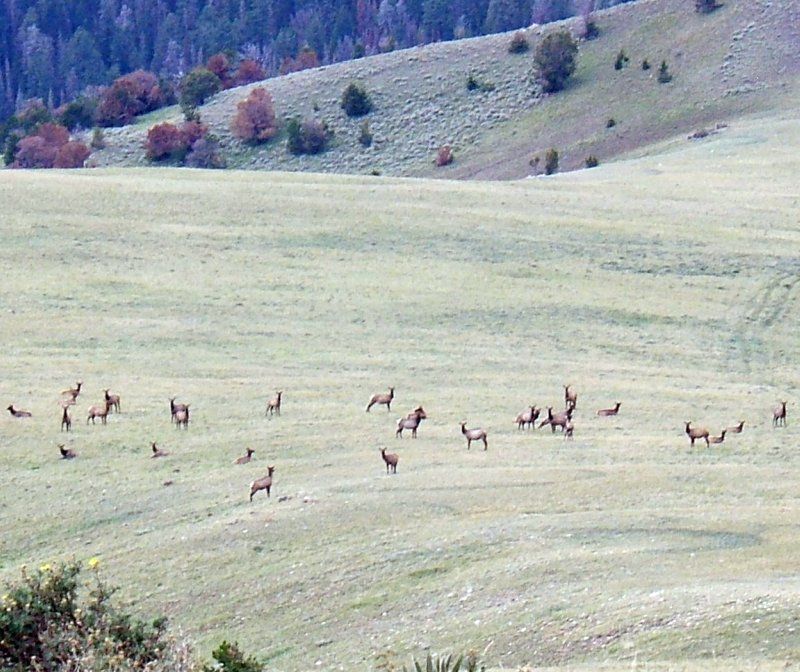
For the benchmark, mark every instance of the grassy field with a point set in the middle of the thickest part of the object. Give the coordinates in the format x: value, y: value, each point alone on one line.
x: 668, y: 283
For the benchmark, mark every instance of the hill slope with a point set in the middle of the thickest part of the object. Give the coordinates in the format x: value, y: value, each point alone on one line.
x: 669, y: 284
x: 737, y: 60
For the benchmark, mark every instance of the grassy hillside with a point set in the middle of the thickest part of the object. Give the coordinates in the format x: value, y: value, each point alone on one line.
x: 670, y: 285
x: 738, y: 60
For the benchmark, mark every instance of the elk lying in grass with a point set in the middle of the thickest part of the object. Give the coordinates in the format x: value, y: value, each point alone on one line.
x: 695, y: 433
x: 411, y: 421
x: 274, y: 404
x: 527, y: 417
x: 476, y: 434
x: 570, y: 396
x: 737, y: 429
x: 113, y: 400
x: 382, y: 399
x: 17, y: 412
x: 607, y: 412
x: 262, y: 483
x: 157, y: 452
x: 244, y: 459
x: 779, y: 415
x: 718, y: 439
x: 73, y: 392
x: 182, y: 417
x: 174, y: 408
x: 391, y: 460
x: 66, y: 453
x: 557, y: 419
x: 66, y: 421
x: 98, y: 412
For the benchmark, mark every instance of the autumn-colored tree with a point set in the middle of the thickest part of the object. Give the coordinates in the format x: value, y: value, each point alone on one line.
x: 129, y: 96
x: 49, y: 147
x: 255, y: 117
x: 307, y: 58
x: 220, y: 65
x: 72, y: 154
x: 165, y: 141
x: 249, y: 71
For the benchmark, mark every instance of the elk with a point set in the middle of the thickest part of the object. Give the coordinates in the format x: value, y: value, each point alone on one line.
x: 73, y: 392
x: 244, y: 459
x: 17, y: 412
x: 391, y: 460
x: 527, y: 417
x: 718, y: 439
x: 113, y: 400
x: 262, y: 483
x: 66, y: 453
x: 382, y: 399
x: 182, y: 417
x: 557, y: 420
x: 570, y: 396
x: 274, y: 404
x: 779, y: 415
x: 174, y: 408
x: 606, y: 412
x: 66, y: 421
x: 157, y: 452
x: 695, y: 433
x: 737, y: 429
x: 476, y: 434
x: 411, y: 421
x: 569, y: 430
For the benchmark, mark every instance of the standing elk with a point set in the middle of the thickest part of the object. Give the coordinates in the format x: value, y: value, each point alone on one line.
x: 607, y: 412
x: 113, y: 400
x: 274, y: 404
x: 411, y: 421
x: 570, y: 396
x: 73, y: 392
x: 558, y: 419
x: 779, y: 415
x: 527, y: 417
x: 66, y: 421
x: 18, y: 413
x: 695, y: 433
x: 175, y: 408
x: 382, y: 399
x: 262, y: 483
x: 182, y: 417
x: 98, y: 412
x: 391, y: 460
x: 476, y: 434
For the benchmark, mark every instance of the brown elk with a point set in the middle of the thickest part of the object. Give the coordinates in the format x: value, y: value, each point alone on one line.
x: 569, y: 430
x: 570, y: 396
x: 527, y: 417
x: 157, y: 452
x: 411, y: 421
x: 66, y: 421
x: 737, y: 429
x: 73, y: 392
x: 182, y: 417
x: 382, y: 399
x: 274, y: 404
x: 244, y: 459
x: 17, y: 412
x: 174, y: 408
x: 695, y: 433
x: 98, y: 412
x: 113, y: 400
x: 476, y: 434
x: 558, y: 419
x: 391, y: 460
x: 262, y: 483
x: 718, y: 439
x: 779, y: 415
x: 66, y: 453
x: 607, y: 412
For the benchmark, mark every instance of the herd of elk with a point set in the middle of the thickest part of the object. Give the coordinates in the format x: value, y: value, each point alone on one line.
x: 411, y: 421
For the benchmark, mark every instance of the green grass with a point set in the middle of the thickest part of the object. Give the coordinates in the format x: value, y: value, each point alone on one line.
x: 666, y: 283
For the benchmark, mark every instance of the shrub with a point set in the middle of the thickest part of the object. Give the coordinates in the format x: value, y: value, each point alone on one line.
x: 555, y: 60
x: 664, y: 75
x: 10, y: 148
x: 229, y: 658
x: 476, y: 84
x: 444, y: 157
x: 645, y: 64
x: 365, y: 134
x: 610, y: 123
x: 591, y: 161
x: 550, y: 161
x: 78, y: 113
x: 220, y: 65
x: 307, y: 58
x: 356, y: 101
x: 249, y: 71
x: 706, y: 6
x: 621, y: 60
x: 72, y: 154
x: 469, y: 663
x: 41, y: 149
x: 519, y: 43
x: 129, y: 96
x: 165, y: 141
x: 98, y: 139
x: 205, y: 153
x: 589, y: 30
x: 199, y: 85
x: 255, y: 117
x: 307, y: 137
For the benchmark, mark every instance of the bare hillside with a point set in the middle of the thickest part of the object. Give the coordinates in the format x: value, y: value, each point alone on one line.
x: 738, y: 60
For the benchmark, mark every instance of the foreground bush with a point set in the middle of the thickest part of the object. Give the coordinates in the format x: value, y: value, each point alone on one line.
x: 307, y: 137
x: 49, y: 147
x: 169, y: 142
x: 356, y: 101
x: 255, y: 117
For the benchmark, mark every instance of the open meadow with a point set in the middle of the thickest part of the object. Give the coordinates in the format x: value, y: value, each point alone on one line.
x: 670, y: 283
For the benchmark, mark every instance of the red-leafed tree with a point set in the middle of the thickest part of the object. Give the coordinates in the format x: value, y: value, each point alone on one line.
x: 50, y: 147
x: 306, y: 59
x: 249, y: 71
x: 255, y: 117
x: 129, y: 95
x: 73, y: 154
x: 165, y: 141
x: 220, y: 65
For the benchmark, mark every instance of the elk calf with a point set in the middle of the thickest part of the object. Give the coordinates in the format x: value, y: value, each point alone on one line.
x: 262, y: 483
x: 391, y: 460
x: 382, y: 399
